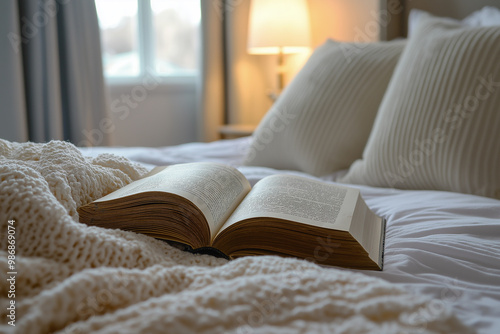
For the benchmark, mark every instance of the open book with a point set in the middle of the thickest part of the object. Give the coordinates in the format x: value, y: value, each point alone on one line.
x: 210, y: 207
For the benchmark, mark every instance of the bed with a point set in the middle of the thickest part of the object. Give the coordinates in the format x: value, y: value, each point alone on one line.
x: 441, y: 264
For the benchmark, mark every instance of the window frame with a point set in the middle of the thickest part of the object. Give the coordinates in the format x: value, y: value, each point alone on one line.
x: 146, y: 51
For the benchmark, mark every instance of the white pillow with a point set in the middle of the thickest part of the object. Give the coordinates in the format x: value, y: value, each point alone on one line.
x: 438, y: 126
x: 485, y: 17
x: 415, y: 17
x: 322, y: 120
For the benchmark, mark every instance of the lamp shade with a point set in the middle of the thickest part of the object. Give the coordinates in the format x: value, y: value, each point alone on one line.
x: 278, y: 26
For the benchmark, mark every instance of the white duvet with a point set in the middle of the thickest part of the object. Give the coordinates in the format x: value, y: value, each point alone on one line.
x: 439, y: 244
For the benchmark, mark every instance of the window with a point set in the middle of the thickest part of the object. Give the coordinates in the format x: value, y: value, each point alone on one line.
x: 144, y: 36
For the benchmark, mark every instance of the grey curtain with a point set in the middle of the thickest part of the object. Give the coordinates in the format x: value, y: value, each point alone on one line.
x: 211, y: 87
x: 51, y: 79
x: 233, y: 85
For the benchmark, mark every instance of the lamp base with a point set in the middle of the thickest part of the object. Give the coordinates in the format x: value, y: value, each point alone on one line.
x: 273, y: 96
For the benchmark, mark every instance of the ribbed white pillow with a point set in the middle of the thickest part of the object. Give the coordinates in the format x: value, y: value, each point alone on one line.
x: 438, y: 126
x: 322, y: 120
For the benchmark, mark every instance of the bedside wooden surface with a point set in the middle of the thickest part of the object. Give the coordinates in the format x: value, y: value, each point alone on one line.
x: 231, y: 131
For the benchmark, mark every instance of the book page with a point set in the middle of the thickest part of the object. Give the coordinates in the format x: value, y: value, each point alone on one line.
x: 298, y: 199
x: 216, y: 189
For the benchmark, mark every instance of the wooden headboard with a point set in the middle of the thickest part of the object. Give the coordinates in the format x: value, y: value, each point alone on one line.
x: 394, y: 13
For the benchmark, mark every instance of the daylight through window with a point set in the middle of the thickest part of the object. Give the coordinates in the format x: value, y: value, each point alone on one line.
x: 143, y: 36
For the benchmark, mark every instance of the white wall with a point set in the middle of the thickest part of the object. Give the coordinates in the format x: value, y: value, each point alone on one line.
x: 344, y: 20
x: 153, y: 114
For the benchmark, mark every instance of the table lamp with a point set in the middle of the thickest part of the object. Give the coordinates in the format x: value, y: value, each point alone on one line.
x: 278, y: 27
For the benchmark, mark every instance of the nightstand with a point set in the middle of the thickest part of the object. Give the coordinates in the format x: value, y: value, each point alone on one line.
x: 232, y: 131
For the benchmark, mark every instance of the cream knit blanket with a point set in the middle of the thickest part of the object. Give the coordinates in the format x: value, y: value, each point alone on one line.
x: 71, y: 278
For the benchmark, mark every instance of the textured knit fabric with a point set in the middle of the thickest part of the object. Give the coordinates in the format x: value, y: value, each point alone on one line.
x: 438, y: 125
x: 321, y: 122
x: 78, y: 279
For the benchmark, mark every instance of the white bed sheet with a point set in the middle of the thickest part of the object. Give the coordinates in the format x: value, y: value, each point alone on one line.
x: 441, y: 244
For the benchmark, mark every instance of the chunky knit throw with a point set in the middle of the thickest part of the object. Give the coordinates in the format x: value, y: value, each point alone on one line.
x: 71, y: 278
